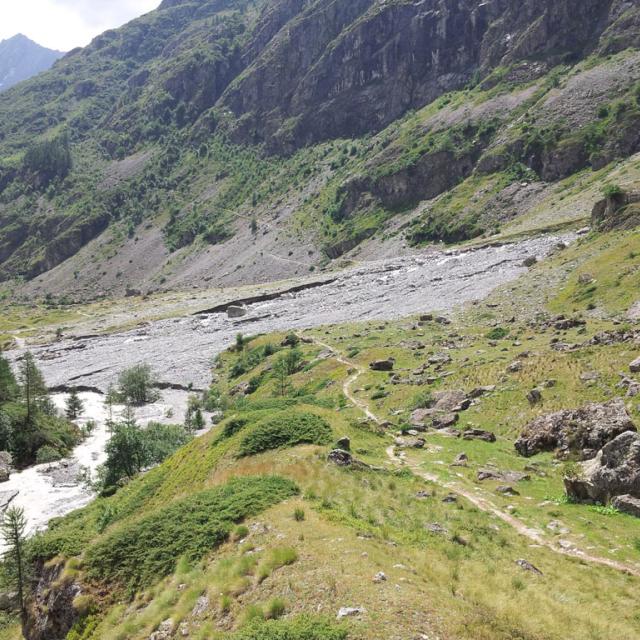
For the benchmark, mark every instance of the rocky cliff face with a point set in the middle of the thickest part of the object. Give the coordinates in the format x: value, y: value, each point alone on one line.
x: 344, y: 69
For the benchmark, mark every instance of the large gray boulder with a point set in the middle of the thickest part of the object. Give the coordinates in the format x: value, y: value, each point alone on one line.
x: 614, y: 472
x: 581, y: 432
x: 634, y: 367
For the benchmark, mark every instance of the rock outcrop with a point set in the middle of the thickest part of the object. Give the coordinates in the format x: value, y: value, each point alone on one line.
x: 619, y: 210
x: 614, y: 472
x: 580, y: 432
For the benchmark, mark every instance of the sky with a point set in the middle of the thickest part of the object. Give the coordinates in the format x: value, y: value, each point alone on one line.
x: 66, y: 24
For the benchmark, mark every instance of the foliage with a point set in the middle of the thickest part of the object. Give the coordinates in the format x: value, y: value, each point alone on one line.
x: 133, y: 448
x: 497, y: 333
x: 141, y: 552
x: 612, y: 190
x: 49, y: 160
x: 136, y: 385
x: 13, y: 530
x: 74, y: 406
x: 301, y: 628
x: 286, y: 429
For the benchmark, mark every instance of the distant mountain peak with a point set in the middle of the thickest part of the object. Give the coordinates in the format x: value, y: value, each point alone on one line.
x: 21, y: 58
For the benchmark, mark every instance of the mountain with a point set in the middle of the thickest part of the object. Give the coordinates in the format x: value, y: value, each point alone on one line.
x: 21, y: 58
x: 218, y: 142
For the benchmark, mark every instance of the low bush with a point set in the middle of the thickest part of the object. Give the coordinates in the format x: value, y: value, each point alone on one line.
x: 286, y: 429
x: 140, y: 553
x: 301, y: 628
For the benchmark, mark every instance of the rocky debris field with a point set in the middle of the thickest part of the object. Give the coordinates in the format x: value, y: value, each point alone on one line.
x: 181, y: 349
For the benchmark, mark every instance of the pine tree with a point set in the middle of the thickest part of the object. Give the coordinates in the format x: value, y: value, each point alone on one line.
x: 8, y: 386
x: 13, y: 529
x: 74, y: 406
x: 32, y: 384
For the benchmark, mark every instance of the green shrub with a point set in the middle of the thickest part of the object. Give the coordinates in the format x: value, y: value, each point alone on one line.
x: 302, y: 628
x: 139, y: 553
x: 286, y: 429
x: 299, y: 515
x: 233, y: 426
x: 47, y: 454
x: 422, y: 400
x: 497, y: 333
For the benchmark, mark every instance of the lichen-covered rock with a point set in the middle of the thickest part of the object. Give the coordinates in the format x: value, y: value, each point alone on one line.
x: 614, y: 472
x: 582, y: 432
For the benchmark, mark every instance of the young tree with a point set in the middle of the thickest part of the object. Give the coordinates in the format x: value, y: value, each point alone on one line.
x: 281, y: 375
x: 8, y: 385
x: 32, y: 385
x: 74, y: 406
x: 135, y: 385
x: 13, y: 529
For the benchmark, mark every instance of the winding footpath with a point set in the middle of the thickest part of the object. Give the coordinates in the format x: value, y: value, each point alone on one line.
x: 535, y: 536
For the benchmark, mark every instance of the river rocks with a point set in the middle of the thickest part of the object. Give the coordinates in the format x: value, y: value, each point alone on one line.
x: 6, y: 498
x: 634, y: 367
x: 614, y: 472
x: 582, y: 431
x: 236, y: 311
x: 382, y: 365
x: 5, y: 466
x: 479, y: 434
x: 627, y: 504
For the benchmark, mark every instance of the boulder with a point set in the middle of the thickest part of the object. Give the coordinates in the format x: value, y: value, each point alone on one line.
x: 445, y: 420
x: 481, y: 391
x: 340, y: 458
x: 534, y: 397
x: 460, y: 460
x: 410, y: 443
x: 164, y: 631
x: 350, y: 612
x: 582, y: 431
x: 236, y: 311
x: 382, y: 365
x: 634, y: 367
x: 614, y: 472
x: 479, y: 434
x: 5, y: 466
x: 627, y: 504
x: 527, y: 566
x: 344, y: 444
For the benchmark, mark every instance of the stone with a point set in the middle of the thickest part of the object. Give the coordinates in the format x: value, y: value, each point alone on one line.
x: 164, y: 631
x: 379, y: 577
x: 515, y: 367
x: 236, y: 311
x: 479, y: 434
x: 382, y: 365
x: 627, y: 504
x: 564, y: 324
x: 410, y: 443
x: 424, y: 494
x: 440, y: 358
x: 507, y: 490
x: 529, y: 261
x: 344, y: 444
x: 582, y: 431
x: 481, y: 391
x: 460, y: 460
x: 445, y: 421
x: 350, y: 612
x: 450, y: 498
x: 634, y: 367
x: 435, y: 527
x: 5, y: 466
x: 534, y: 397
x: 340, y: 458
x: 527, y: 566
x: 614, y: 472
x: 201, y: 606
x: 488, y: 474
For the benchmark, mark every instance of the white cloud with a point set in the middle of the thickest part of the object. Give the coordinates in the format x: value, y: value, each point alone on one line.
x: 65, y: 24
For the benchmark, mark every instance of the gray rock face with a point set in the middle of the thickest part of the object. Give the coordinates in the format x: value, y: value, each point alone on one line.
x: 627, y: 504
x: 582, y: 431
x: 634, y: 367
x: 614, y: 472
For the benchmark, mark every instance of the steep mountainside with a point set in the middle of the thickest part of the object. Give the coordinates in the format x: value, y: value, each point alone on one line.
x: 229, y: 141
x: 21, y: 59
